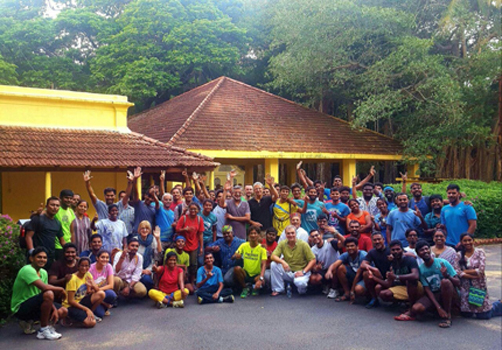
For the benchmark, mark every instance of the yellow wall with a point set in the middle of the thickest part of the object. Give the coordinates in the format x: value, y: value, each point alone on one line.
x: 24, y: 191
x: 21, y: 106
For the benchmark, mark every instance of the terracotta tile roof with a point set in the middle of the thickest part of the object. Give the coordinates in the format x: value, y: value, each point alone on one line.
x: 73, y: 148
x: 226, y: 114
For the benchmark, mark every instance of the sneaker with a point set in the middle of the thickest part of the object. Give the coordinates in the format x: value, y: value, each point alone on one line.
x: 53, y: 330
x: 373, y: 303
x: 333, y: 294
x: 47, y: 334
x: 255, y: 292
x: 27, y: 327
x: 245, y: 292
x: 199, y: 300
x: 229, y: 299
x: 179, y: 304
x: 325, y: 289
x: 220, y: 299
x: 98, y: 319
x: 161, y: 305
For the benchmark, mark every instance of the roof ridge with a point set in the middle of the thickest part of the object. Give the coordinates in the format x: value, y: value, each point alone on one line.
x: 302, y: 106
x: 134, y: 116
x: 192, y: 116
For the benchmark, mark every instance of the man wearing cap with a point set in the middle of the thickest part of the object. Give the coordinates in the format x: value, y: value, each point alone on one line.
x: 128, y: 266
x: 226, y: 247
x: 65, y: 216
x: 390, y: 196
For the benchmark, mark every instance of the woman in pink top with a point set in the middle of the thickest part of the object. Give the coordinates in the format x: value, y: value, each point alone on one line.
x: 102, y: 273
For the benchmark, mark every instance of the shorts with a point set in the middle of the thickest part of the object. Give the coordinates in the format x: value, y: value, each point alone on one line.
x: 429, y: 305
x: 401, y: 292
x: 77, y: 314
x: 350, y: 277
x: 250, y: 279
x: 30, y: 308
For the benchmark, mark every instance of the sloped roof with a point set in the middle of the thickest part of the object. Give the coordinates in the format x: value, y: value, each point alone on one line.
x: 75, y: 148
x: 226, y: 114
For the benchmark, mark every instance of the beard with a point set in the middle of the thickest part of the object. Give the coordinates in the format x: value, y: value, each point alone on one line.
x: 312, y: 198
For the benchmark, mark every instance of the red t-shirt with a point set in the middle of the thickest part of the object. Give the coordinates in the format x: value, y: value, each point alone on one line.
x: 192, y: 238
x: 363, y: 243
x: 169, y: 279
x: 269, y: 248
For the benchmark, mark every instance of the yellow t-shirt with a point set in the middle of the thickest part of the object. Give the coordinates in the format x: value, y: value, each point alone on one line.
x: 78, y: 286
x: 282, y: 213
x: 252, y: 257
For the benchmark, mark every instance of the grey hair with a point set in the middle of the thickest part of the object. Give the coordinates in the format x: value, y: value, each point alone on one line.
x: 258, y: 183
x: 237, y: 187
x: 167, y: 194
x: 290, y: 227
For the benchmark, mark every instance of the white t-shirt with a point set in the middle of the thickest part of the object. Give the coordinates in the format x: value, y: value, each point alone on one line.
x: 300, y: 234
x: 412, y: 250
x: 113, y: 233
x: 326, y: 254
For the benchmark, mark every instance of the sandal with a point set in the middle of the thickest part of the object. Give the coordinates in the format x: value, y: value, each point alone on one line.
x: 274, y: 294
x: 344, y: 297
x: 445, y: 323
x: 404, y: 317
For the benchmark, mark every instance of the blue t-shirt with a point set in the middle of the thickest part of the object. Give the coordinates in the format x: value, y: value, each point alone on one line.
x: 400, y: 222
x: 309, y: 218
x: 421, y: 205
x: 213, y: 280
x: 391, y: 205
x: 226, y: 252
x: 456, y: 219
x: 164, y: 218
x: 209, y: 222
x: 431, y: 276
x: 382, y: 222
x: 142, y: 212
x: 342, y: 210
x: 353, y: 264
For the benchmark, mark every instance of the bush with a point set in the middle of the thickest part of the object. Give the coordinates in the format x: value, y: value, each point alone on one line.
x: 11, y: 260
x: 486, y: 199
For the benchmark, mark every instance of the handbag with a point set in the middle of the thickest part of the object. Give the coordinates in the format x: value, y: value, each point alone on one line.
x: 476, y: 296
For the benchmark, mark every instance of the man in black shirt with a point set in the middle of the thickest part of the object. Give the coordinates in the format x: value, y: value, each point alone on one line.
x: 61, y: 271
x: 43, y: 229
x: 401, y: 282
x: 260, y: 205
x: 378, y: 256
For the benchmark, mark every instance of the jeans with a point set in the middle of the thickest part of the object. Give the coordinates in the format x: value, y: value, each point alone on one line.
x: 279, y: 276
x: 228, y: 278
x: 207, y: 294
x: 110, y: 298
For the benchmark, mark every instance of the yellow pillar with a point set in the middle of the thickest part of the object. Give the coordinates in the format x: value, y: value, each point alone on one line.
x: 348, y: 171
x: 152, y: 181
x: 413, y: 169
x: 291, y: 178
x: 248, y: 175
x: 48, y: 184
x: 210, y: 180
x: 169, y: 186
x: 138, y: 186
x: 272, y: 168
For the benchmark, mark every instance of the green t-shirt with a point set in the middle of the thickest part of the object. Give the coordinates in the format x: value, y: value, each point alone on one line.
x: 65, y: 217
x: 23, y: 288
x: 181, y: 259
x: 252, y: 258
x: 298, y: 257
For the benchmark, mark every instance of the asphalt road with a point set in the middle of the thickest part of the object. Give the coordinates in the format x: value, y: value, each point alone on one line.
x: 303, y: 322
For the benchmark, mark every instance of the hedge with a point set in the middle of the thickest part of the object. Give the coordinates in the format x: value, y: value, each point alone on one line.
x: 485, y: 197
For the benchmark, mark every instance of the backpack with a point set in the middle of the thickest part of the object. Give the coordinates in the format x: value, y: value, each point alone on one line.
x: 23, y: 228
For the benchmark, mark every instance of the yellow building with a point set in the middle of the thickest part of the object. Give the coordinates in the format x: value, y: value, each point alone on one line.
x: 237, y: 124
x: 48, y: 138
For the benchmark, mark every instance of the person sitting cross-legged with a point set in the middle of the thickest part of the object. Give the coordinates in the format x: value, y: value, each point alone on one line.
x: 254, y: 257
x: 347, y: 272
x: 440, y: 281
x: 33, y: 298
x: 402, y: 280
x: 171, y: 289
x: 295, y: 265
x: 128, y: 266
x: 210, y: 283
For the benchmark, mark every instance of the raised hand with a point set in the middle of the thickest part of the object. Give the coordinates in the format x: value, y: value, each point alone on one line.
x: 130, y: 175
x: 233, y: 173
x: 162, y: 176
x: 202, y: 178
x: 372, y: 170
x: 137, y: 173
x: 87, y: 175
x: 269, y: 180
x: 417, y: 212
x: 404, y: 176
x: 354, y: 180
x: 390, y: 275
x: 195, y: 176
x: 299, y: 165
x: 184, y: 173
x: 156, y: 232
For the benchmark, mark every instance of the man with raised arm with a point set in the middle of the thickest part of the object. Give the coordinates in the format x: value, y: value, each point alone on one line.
x: 238, y: 212
x: 143, y: 210
x: 100, y: 206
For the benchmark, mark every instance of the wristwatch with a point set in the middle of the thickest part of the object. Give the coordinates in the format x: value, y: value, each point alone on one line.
x: 303, y: 271
x: 261, y: 279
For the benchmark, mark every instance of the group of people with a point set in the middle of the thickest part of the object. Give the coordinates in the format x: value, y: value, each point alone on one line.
x: 381, y: 246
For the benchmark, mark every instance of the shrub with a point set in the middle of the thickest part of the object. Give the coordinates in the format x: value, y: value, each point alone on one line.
x: 486, y: 199
x: 11, y: 260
